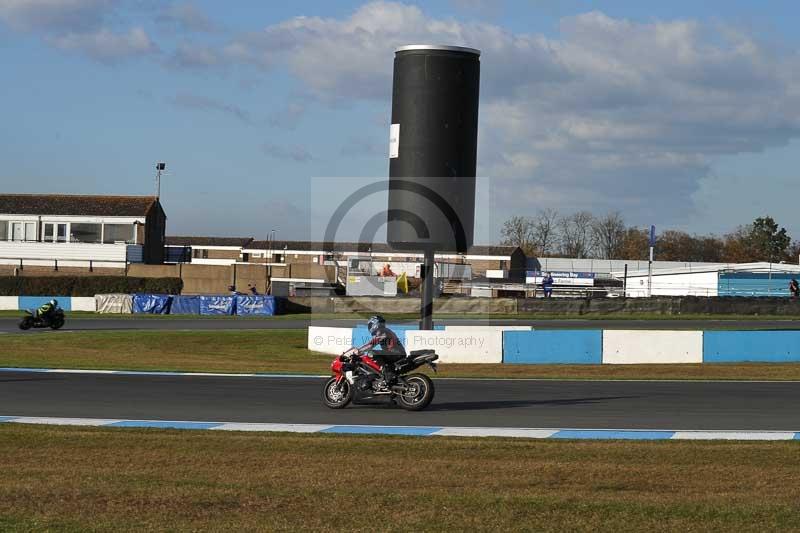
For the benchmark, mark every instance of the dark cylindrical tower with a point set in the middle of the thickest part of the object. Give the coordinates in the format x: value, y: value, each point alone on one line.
x: 433, y: 148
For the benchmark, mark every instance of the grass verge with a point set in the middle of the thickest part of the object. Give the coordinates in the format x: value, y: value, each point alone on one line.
x: 790, y: 321
x: 82, y: 479
x: 284, y: 351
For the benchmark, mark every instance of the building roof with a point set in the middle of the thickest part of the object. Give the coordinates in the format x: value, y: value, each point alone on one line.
x: 235, y: 242
x: 608, y: 267
x: 366, y: 247
x: 76, y: 205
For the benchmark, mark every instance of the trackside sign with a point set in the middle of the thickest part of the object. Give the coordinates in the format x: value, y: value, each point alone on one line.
x: 574, y: 279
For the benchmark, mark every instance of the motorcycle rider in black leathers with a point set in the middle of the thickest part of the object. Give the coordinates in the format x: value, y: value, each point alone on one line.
x: 391, y: 351
x: 47, y: 310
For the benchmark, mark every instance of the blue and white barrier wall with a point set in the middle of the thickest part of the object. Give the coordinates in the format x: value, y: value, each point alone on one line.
x: 511, y: 345
x: 67, y: 303
x: 751, y: 346
x: 9, y: 303
x: 553, y: 347
x: 485, y: 346
x: 622, y: 347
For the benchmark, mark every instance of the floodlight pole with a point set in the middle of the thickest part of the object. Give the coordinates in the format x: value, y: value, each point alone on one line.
x: 426, y: 303
x: 269, y: 261
x: 160, y: 167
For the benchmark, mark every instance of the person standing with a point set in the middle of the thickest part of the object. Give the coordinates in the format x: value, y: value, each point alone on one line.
x: 794, y: 288
x: 547, y: 285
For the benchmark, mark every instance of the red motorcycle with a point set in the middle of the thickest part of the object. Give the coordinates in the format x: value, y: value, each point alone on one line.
x: 357, y: 374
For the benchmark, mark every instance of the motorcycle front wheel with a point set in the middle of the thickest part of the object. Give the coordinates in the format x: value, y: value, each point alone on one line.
x: 26, y: 323
x: 57, y: 323
x: 419, y: 392
x: 337, y: 395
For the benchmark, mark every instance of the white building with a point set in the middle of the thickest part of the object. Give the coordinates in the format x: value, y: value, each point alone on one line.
x: 737, y: 279
x: 78, y: 230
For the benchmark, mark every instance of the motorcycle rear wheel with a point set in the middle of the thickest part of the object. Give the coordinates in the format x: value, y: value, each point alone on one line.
x: 337, y: 395
x: 421, y: 394
x: 26, y: 323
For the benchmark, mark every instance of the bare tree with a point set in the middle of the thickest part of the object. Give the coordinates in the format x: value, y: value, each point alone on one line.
x: 519, y: 231
x: 608, y: 234
x: 545, y: 231
x: 576, y: 235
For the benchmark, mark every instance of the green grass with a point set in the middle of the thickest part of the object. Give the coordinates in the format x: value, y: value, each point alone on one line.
x: 103, y: 479
x: 284, y: 351
x: 790, y: 321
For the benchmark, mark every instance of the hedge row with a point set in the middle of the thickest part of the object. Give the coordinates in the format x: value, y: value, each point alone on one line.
x: 86, y: 285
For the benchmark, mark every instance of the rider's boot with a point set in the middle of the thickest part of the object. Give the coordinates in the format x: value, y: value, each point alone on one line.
x: 389, y: 376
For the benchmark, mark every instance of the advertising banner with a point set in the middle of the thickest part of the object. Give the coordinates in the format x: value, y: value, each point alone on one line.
x: 154, y: 304
x: 217, y: 305
x: 255, y: 305
x: 573, y: 279
x: 185, y: 305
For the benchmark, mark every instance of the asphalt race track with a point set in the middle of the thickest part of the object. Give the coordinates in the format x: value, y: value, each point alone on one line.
x: 9, y: 325
x: 747, y: 406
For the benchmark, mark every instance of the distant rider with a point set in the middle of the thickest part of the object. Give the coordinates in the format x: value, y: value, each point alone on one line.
x: 47, y: 310
x: 391, y: 351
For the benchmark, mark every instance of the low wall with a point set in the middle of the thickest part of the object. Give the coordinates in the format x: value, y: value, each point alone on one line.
x: 751, y: 346
x: 329, y: 340
x: 67, y: 303
x: 684, y: 305
x: 467, y: 347
x: 9, y: 303
x: 83, y: 303
x: 552, y: 306
x: 643, y: 347
x: 511, y: 345
x: 553, y: 347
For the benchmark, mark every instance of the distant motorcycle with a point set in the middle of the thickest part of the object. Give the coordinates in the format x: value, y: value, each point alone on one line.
x: 358, y: 374
x: 54, y: 321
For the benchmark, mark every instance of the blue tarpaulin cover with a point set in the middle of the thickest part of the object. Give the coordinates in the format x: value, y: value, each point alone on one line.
x: 217, y: 305
x: 185, y: 305
x: 255, y: 305
x: 156, y: 304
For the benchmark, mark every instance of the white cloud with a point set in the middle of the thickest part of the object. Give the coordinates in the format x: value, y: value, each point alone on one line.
x: 86, y: 26
x: 190, y: 55
x: 293, y: 153
x: 186, y: 17
x: 202, y: 103
x: 612, y: 114
x: 48, y: 15
x: 634, y: 114
x: 289, y: 116
x: 609, y: 114
x: 107, y: 46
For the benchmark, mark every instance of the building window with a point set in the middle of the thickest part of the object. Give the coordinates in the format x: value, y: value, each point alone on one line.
x: 3, y: 230
x: 81, y: 232
x: 117, y: 233
x: 200, y: 254
x: 54, y: 232
x: 30, y: 231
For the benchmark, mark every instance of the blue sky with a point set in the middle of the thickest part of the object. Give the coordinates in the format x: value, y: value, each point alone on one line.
x: 682, y: 114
